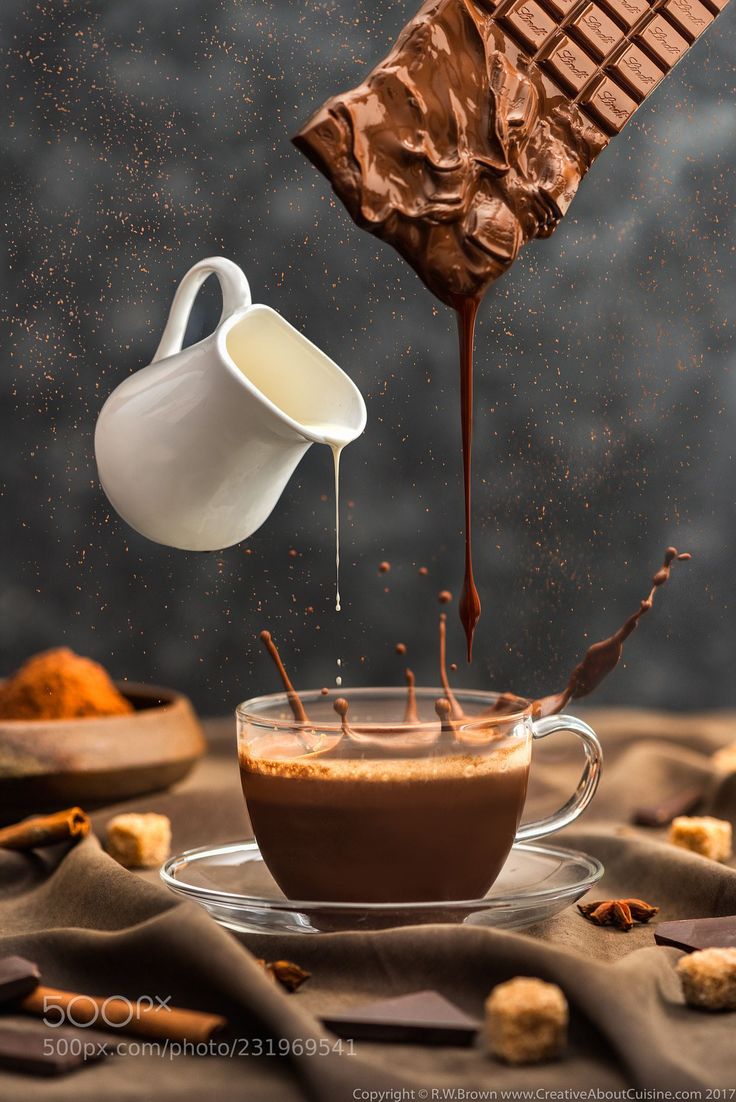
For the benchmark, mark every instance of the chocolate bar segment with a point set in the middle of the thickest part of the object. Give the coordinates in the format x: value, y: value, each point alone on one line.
x: 627, y: 12
x: 663, y: 41
x: 559, y: 8
x: 637, y: 71
x: 689, y: 16
x: 597, y: 31
x: 528, y: 22
x: 570, y: 64
x: 611, y: 104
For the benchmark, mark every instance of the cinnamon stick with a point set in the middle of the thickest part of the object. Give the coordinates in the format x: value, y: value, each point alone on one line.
x: 46, y: 830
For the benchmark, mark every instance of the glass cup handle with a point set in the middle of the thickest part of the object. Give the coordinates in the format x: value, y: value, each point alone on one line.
x: 587, y: 784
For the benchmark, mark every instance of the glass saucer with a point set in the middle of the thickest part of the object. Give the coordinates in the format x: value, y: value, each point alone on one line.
x: 234, y: 885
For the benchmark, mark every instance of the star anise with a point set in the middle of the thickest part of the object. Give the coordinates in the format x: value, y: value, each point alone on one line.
x: 288, y: 974
x: 621, y: 913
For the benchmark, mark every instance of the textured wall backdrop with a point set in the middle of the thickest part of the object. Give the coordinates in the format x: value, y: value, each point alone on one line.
x: 143, y: 136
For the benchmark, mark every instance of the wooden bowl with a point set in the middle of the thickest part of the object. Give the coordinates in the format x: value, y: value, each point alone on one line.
x: 49, y: 764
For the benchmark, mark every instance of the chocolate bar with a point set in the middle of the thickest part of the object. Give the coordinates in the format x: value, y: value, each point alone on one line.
x: 423, y: 1017
x: 41, y: 1051
x: 698, y: 933
x: 683, y: 802
x: 18, y: 977
x: 472, y: 136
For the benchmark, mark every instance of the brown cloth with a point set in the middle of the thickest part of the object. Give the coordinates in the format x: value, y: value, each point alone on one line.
x: 92, y: 926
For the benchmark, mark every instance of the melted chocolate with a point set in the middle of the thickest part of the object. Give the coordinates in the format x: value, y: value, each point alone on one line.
x: 456, y: 710
x: 603, y: 657
x: 295, y: 703
x: 410, y: 714
x: 471, y: 137
x: 469, y: 608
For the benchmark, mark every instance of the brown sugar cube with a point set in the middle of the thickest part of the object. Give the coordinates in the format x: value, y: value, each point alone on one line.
x: 139, y: 841
x: 526, y: 1021
x: 702, y: 834
x: 709, y: 979
x: 724, y: 760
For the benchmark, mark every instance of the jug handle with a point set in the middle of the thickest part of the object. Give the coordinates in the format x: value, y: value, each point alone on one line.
x: 235, y: 296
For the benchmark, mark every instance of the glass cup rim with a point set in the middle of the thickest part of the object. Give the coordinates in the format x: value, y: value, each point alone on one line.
x: 244, y: 711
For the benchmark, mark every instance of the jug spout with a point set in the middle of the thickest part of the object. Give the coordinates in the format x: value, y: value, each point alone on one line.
x: 294, y: 378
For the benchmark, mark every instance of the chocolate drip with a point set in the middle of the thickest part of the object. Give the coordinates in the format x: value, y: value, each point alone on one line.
x: 457, y: 712
x: 603, y: 657
x: 410, y: 714
x: 469, y: 607
x: 471, y: 137
x: 295, y: 703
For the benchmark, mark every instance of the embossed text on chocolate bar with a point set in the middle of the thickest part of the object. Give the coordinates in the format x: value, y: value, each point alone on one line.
x: 627, y: 12
x: 529, y: 23
x: 597, y: 31
x: 611, y: 104
x: 689, y: 16
x: 662, y: 40
x: 637, y: 71
x: 570, y: 64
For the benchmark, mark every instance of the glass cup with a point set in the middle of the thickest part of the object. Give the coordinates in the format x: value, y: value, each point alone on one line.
x: 378, y: 807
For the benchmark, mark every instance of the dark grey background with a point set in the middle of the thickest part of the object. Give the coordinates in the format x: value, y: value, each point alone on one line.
x: 144, y: 136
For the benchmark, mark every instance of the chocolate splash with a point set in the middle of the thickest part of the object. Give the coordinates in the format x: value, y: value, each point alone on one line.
x: 603, y: 657
x: 600, y: 659
x: 455, y: 709
x: 410, y: 713
x: 295, y: 703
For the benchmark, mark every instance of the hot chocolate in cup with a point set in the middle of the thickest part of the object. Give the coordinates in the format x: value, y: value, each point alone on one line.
x: 376, y: 799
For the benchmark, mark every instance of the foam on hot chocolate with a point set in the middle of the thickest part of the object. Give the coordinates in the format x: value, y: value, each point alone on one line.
x: 516, y: 754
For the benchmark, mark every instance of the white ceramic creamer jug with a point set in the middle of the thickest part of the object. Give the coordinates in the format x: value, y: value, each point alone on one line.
x: 195, y: 450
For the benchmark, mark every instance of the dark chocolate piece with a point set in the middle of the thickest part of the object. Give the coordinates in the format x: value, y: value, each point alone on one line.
x: 424, y: 1017
x: 683, y: 802
x: 698, y: 933
x: 27, y: 1049
x: 18, y: 977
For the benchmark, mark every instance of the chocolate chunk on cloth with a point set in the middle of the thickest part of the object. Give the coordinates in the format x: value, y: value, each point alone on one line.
x: 471, y: 137
x: 422, y: 1017
x: 698, y: 933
